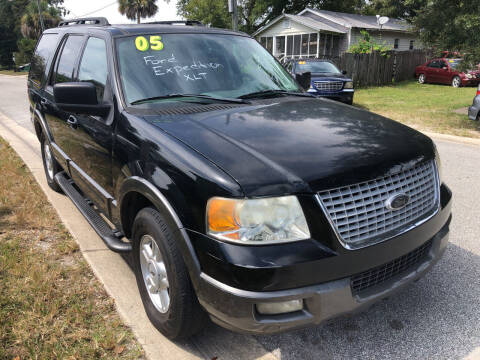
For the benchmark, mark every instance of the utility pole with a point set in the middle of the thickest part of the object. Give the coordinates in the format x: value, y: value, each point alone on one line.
x: 232, y: 9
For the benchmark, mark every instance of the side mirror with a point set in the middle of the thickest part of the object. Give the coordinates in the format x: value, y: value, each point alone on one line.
x: 344, y: 72
x: 304, y: 79
x: 79, y: 98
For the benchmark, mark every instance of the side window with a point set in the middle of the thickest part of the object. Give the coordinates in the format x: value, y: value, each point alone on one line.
x: 93, y: 67
x: 433, y: 64
x: 43, y: 52
x: 65, y: 64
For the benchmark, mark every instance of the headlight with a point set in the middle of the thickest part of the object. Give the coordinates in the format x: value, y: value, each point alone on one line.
x: 257, y: 221
x: 469, y: 76
x: 348, y: 85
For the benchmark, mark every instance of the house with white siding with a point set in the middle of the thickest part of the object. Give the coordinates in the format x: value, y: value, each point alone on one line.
x: 322, y: 33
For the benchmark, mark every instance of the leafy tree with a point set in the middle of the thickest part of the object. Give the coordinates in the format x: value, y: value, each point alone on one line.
x: 30, y: 22
x: 137, y: 9
x: 368, y: 45
x: 401, y: 9
x: 254, y: 14
x: 25, y: 51
x: 451, y: 26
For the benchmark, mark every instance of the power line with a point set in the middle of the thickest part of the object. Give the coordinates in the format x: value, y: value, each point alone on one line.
x: 92, y: 12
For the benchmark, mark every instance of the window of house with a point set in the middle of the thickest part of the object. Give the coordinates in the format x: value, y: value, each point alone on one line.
x: 395, y: 44
x: 290, y: 45
x: 328, y: 44
x: 296, y: 44
x: 93, y: 67
x: 411, y: 45
x: 65, y: 64
x: 286, y: 24
x: 312, y: 46
x: 304, y: 48
x: 263, y: 41
x: 280, y: 45
x: 270, y: 44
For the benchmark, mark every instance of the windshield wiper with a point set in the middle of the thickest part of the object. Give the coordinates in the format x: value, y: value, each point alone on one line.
x: 200, y: 96
x: 262, y: 93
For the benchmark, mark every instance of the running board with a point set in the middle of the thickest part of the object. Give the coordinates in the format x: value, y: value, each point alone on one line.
x: 110, y: 237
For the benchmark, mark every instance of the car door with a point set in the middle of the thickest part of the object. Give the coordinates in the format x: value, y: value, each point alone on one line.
x: 91, y: 166
x: 58, y: 120
x: 431, y: 71
x: 443, y: 72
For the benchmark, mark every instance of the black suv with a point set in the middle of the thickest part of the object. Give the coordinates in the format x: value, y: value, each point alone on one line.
x: 236, y: 193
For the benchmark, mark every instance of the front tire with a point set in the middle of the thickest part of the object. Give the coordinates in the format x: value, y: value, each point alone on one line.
x: 456, y: 82
x: 50, y: 165
x: 422, y: 79
x: 162, y: 277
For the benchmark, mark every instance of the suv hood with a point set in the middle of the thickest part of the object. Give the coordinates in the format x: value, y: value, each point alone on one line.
x: 298, y: 145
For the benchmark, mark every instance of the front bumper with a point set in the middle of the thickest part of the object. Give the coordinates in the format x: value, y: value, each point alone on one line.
x: 470, y: 82
x: 345, y: 96
x: 235, y: 308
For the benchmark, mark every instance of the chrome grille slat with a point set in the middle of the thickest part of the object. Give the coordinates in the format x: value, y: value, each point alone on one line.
x: 358, y: 212
x: 328, y: 85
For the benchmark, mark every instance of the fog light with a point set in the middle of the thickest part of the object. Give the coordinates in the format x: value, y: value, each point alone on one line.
x: 280, y: 307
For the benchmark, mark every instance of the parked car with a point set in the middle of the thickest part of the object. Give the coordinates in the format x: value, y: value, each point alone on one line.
x: 444, y: 71
x: 25, y: 67
x: 326, y: 79
x: 474, y: 110
x: 237, y: 194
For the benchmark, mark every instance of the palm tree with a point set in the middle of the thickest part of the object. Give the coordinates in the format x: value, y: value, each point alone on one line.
x: 137, y: 9
x: 30, y: 21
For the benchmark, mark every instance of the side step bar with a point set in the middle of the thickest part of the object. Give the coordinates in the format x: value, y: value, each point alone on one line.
x: 110, y: 237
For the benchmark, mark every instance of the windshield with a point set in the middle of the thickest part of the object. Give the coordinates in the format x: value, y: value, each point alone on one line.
x: 226, y: 66
x: 316, y: 67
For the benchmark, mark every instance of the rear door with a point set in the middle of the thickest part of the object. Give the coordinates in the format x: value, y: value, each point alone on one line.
x: 93, y: 135
x: 58, y: 121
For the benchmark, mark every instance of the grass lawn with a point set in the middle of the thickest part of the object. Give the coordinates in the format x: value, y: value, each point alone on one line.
x: 427, y: 107
x: 51, y: 304
x: 11, y: 72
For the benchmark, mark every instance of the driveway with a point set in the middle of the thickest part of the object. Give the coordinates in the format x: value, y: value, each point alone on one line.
x: 436, y: 318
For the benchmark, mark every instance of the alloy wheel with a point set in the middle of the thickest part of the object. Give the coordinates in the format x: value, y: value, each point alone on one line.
x: 48, y: 160
x: 154, y: 273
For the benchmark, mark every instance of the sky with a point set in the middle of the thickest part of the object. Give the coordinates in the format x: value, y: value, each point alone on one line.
x: 109, y: 9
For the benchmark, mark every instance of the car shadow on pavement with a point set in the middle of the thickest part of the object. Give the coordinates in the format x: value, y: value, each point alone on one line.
x: 437, y: 317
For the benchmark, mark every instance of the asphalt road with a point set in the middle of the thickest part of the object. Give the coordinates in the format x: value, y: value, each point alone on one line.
x: 435, y: 318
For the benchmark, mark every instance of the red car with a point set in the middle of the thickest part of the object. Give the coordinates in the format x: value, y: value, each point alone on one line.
x: 443, y: 71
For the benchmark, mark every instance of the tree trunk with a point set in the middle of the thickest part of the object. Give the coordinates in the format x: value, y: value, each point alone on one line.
x: 138, y: 18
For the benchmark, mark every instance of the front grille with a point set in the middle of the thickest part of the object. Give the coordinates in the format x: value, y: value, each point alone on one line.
x: 382, y: 273
x: 328, y: 85
x: 359, y: 214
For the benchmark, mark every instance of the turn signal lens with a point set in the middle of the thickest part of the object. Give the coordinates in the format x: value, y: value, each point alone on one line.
x: 257, y: 221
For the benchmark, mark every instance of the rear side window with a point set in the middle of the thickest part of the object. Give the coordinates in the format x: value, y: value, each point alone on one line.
x: 43, y: 52
x: 68, y: 59
x: 93, y: 67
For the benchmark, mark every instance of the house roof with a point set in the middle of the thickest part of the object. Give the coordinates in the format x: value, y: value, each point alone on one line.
x: 323, y: 25
x: 357, y: 21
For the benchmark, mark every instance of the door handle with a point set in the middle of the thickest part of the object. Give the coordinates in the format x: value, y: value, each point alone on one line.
x: 72, y: 121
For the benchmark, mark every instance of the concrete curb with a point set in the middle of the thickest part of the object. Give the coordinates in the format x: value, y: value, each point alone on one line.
x: 453, y: 138
x: 118, y: 279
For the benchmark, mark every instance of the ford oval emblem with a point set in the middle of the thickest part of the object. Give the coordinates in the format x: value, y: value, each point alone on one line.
x: 397, y: 202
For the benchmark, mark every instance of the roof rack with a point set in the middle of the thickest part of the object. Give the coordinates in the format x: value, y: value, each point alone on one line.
x: 85, y: 21
x: 178, y: 22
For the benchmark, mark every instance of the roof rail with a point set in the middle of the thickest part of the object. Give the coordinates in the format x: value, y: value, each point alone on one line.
x: 177, y: 22
x: 85, y: 21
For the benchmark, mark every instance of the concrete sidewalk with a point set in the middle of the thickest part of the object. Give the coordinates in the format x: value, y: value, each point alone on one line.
x: 119, y: 281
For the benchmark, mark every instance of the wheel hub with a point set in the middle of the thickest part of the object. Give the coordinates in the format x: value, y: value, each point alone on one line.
x: 154, y: 273
x: 48, y: 160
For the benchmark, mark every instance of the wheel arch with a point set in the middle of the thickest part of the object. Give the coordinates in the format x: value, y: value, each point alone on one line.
x: 137, y: 193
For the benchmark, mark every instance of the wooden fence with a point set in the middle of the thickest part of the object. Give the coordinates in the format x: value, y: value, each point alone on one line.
x: 375, y: 69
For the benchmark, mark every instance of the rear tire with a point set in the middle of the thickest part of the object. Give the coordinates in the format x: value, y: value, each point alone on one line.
x: 162, y: 277
x: 50, y: 165
x: 422, y: 79
x: 456, y: 82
